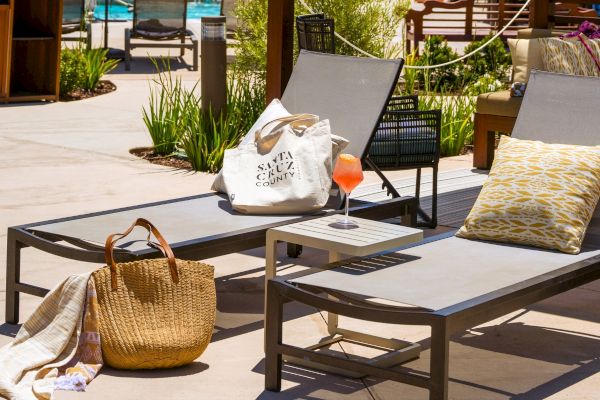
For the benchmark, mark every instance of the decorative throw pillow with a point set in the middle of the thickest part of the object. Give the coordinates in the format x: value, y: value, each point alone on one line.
x: 567, y: 56
x: 526, y: 55
x: 537, y: 194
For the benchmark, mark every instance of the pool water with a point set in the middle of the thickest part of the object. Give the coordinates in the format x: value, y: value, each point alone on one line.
x: 118, y: 12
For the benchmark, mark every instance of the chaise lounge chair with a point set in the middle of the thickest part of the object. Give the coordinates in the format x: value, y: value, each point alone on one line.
x: 74, y: 21
x: 160, y: 21
x: 350, y: 92
x: 452, y: 284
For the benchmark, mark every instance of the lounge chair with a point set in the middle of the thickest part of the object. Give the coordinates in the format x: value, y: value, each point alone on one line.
x: 350, y: 92
x: 74, y: 21
x: 452, y: 284
x: 160, y: 21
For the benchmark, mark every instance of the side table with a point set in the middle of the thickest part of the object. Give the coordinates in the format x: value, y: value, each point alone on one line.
x: 369, y: 238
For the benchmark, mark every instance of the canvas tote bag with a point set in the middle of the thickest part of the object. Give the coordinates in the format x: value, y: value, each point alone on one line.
x: 287, y: 170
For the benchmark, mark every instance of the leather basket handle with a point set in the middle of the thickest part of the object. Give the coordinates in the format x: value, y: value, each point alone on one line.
x: 164, y: 247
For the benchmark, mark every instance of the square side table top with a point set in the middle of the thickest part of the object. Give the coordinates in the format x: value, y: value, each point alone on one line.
x: 370, y: 237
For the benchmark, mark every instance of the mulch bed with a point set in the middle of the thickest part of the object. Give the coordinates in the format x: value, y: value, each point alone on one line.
x: 81, y: 94
x: 148, y: 154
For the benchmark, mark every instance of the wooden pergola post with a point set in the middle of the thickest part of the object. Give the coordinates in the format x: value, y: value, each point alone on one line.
x: 280, y: 46
x: 538, y: 14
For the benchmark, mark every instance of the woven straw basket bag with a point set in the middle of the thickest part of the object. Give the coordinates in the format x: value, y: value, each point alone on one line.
x: 154, y: 313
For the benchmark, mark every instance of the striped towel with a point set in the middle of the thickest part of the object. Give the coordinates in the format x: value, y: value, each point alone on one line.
x: 57, y: 348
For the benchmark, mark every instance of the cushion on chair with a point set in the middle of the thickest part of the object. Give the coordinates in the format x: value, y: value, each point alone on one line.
x: 537, y: 194
x: 569, y: 56
x: 498, y: 103
x: 526, y: 55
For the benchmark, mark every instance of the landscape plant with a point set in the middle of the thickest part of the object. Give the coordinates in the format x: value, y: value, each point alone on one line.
x: 457, y: 120
x: 493, y: 60
x: 369, y: 24
x: 206, y: 136
x: 167, y: 110
x: 83, y: 69
x: 175, y: 120
x: 72, y: 70
x: 97, y: 65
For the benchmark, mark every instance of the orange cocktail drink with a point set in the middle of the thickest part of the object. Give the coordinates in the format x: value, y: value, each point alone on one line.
x: 347, y: 174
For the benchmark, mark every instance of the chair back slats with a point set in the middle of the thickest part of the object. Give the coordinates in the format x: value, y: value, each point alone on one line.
x: 316, y: 33
x: 160, y: 18
x: 351, y: 92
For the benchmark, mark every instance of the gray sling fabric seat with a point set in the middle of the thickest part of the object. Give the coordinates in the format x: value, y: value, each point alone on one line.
x: 450, y: 283
x: 351, y: 92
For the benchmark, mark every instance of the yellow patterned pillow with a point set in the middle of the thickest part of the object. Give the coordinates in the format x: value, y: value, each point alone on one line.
x: 537, y: 194
x: 567, y: 56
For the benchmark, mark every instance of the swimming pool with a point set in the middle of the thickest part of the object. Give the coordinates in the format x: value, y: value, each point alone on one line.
x: 118, y: 12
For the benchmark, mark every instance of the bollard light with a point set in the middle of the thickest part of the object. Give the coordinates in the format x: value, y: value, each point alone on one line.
x: 213, y: 68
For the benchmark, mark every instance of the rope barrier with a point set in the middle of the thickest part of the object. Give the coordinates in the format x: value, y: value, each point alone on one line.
x: 483, y: 46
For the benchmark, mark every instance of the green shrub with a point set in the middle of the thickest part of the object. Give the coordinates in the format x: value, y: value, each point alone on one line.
x: 167, y: 109
x: 486, y: 83
x: 72, y: 70
x: 206, y: 137
x: 369, y: 24
x: 442, y: 79
x: 457, y: 120
x: 97, y: 65
x: 174, y: 117
x: 493, y: 60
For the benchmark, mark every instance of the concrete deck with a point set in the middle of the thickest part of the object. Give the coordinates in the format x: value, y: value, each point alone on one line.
x: 63, y: 159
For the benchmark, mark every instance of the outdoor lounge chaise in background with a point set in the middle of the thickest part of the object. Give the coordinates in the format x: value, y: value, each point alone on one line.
x: 162, y: 22
x: 74, y: 20
x: 351, y: 92
x: 448, y: 283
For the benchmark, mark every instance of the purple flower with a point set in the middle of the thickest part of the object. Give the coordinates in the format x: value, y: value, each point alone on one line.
x: 588, y: 28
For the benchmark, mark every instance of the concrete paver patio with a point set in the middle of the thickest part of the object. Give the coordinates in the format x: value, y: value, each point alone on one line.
x: 63, y: 159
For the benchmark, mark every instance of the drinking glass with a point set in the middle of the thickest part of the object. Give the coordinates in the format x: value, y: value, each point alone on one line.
x: 347, y: 174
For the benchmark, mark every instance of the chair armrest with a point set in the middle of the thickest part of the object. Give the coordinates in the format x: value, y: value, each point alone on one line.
x: 403, y: 103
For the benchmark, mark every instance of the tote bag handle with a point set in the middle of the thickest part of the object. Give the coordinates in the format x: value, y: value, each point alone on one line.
x: 296, y: 121
x: 164, y: 247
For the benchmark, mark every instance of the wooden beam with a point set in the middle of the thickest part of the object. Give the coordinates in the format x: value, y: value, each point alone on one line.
x: 538, y: 14
x: 280, y: 46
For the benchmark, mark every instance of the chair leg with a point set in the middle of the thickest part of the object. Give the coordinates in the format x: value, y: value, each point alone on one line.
x: 13, y: 276
x: 434, y: 197
x: 182, y: 51
x: 88, y: 44
x: 294, y: 250
x: 440, y: 346
x: 483, y: 143
x: 273, y: 337
x: 418, y: 184
x: 195, y: 54
x: 127, y: 49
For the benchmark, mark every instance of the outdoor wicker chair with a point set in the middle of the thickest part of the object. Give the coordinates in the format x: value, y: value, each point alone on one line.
x: 316, y: 33
x: 160, y: 21
x: 351, y: 92
x: 74, y: 20
x: 448, y: 283
x: 409, y: 139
